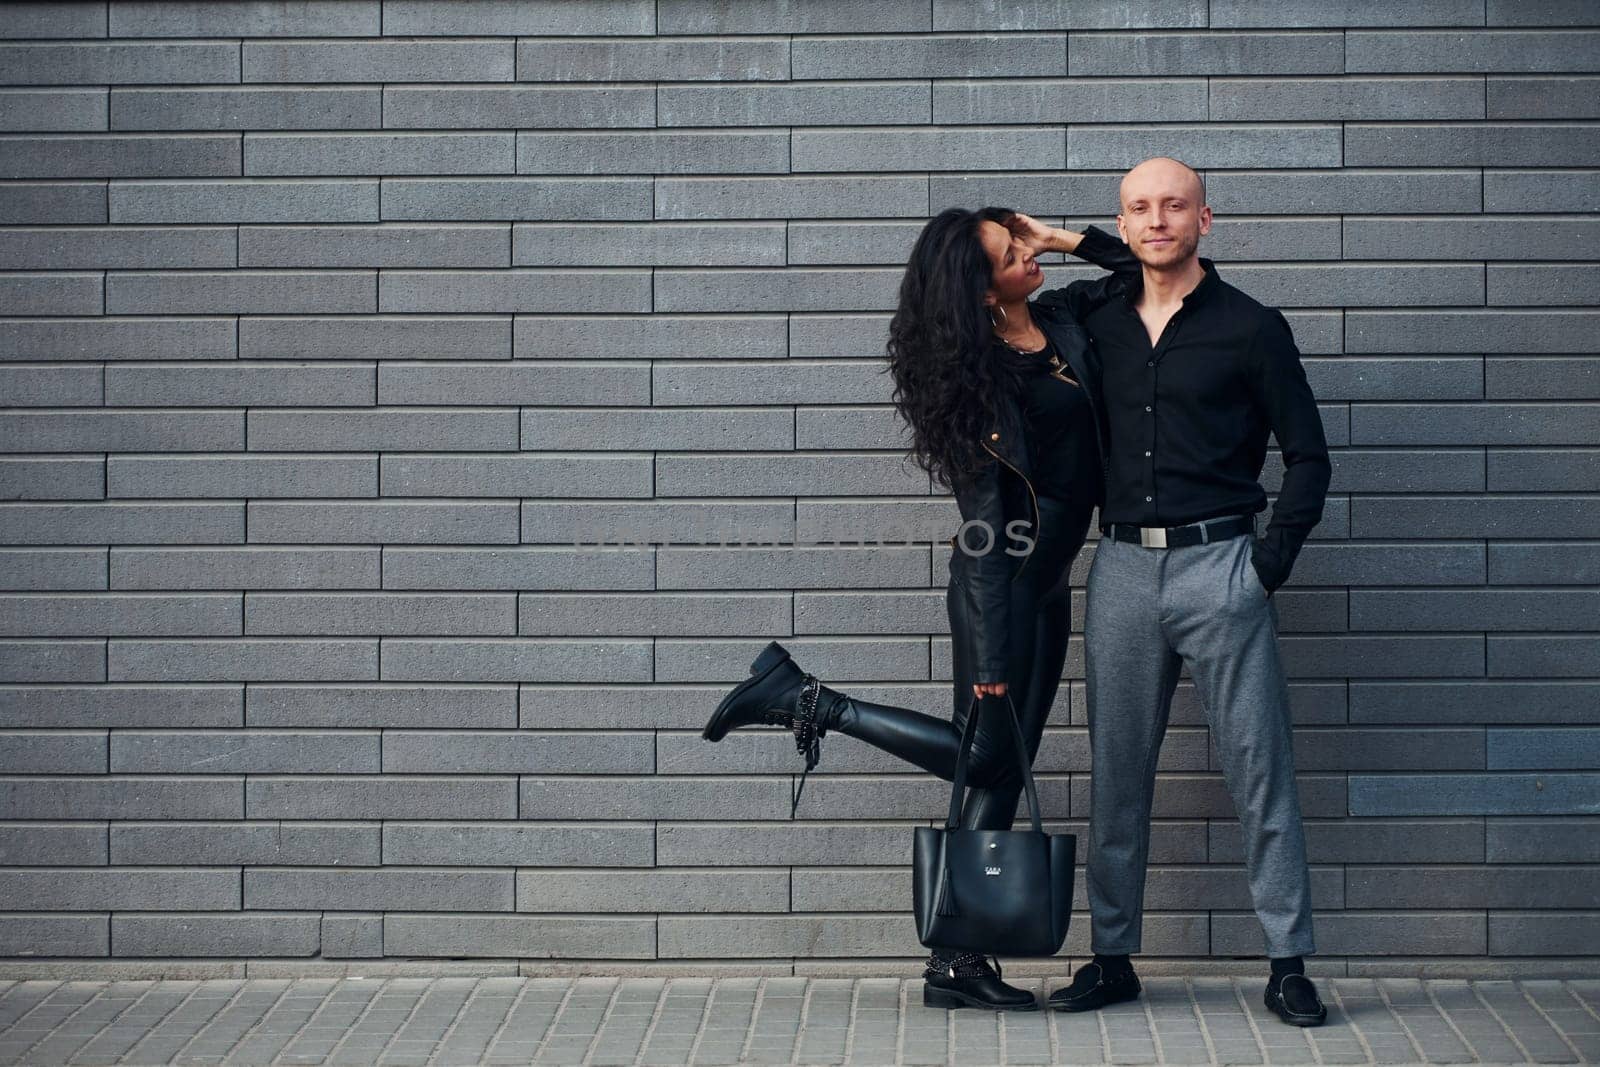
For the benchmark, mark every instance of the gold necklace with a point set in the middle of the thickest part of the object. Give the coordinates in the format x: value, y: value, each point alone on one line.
x: 1058, y: 369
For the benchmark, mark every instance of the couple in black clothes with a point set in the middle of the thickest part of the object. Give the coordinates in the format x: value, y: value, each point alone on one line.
x: 1149, y: 394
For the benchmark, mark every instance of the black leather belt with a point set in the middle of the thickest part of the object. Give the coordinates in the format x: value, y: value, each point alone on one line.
x: 1195, y: 533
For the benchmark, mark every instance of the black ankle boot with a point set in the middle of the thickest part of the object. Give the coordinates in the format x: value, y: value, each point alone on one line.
x: 779, y: 693
x: 766, y: 698
x: 968, y: 981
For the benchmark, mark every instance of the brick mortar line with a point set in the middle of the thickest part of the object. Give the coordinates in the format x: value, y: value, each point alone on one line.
x: 250, y: 1031
x: 1511, y: 1034
x: 1200, y: 1019
x: 361, y: 1016
x: 655, y: 1017
x: 1383, y: 995
x: 155, y: 1027
x: 1150, y: 1024
x: 805, y: 1018
x: 220, y: 1013
x: 1355, y: 1028
x: 65, y: 1020
x: 755, y: 1017
x: 36, y: 1004
x: 605, y: 1017
x: 140, y: 999
x: 461, y: 1014
x: 205, y: 1019
x: 327, y: 999
x: 902, y: 992
x: 1466, y: 1042
x: 949, y: 1037
x: 1052, y: 1031
x: 850, y: 1021
x: 1316, y: 1042
x: 1105, y: 1034
x: 1250, y: 1021
x: 1310, y: 1035
x: 1588, y: 1007
x: 511, y: 1010
x: 1551, y: 1022
x: 1003, y: 1037
x: 427, y: 991
x: 705, y: 1015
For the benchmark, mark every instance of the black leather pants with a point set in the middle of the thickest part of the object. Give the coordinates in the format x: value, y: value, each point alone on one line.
x: 1040, y: 612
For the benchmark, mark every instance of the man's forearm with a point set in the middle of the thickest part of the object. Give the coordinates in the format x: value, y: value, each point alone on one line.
x: 1105, y: 250
x: 1296, y: 513
x: 1280, y: 385
x: 1063, y: 241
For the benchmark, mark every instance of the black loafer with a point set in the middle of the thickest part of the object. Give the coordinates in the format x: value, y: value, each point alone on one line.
x: 1091, y: 989
x: 1294, y: 999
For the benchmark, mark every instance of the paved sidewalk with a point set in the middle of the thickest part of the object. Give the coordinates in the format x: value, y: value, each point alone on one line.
x: 512, y: 1020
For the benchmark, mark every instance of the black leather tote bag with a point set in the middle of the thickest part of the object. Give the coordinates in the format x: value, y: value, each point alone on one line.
x: 999, y: 892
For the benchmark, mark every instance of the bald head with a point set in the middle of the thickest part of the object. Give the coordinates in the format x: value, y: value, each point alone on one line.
x: 1164, y: 214
x: 1159, y: 176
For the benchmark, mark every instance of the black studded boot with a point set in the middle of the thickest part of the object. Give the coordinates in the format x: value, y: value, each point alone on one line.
x: 970, y: 981
x: 779, y: 693
x: 767, y: 698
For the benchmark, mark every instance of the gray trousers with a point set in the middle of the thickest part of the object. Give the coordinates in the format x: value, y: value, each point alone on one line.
x: 1150, y: 611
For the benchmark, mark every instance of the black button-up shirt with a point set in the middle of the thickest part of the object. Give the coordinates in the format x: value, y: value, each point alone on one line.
x: 1188, y: 417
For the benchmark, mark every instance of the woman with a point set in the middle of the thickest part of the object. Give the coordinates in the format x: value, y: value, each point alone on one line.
x: 999, y: 394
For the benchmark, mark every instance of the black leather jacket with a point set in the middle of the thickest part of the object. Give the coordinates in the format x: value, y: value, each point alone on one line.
x: 1002, y: 492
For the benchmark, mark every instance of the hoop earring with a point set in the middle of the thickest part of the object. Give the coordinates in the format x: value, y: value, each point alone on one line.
x: 1005, y: 320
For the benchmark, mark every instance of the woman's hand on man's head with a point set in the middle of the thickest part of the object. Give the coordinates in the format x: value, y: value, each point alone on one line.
x: 1041, y: 238
x: 1033, y: 233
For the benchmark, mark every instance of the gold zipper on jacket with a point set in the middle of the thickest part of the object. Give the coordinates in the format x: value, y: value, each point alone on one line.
x: 1036, y: 516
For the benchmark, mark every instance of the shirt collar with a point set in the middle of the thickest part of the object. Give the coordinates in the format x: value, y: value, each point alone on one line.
x: 1199, y: 294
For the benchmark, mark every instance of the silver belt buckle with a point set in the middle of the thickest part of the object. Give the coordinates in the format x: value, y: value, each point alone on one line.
x: 1153, y: 536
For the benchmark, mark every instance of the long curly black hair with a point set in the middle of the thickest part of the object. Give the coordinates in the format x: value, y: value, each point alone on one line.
x: 948, y: 368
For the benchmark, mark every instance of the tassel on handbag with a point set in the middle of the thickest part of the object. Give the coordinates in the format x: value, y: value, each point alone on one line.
x: 1002, y: 892
x: 946, y: 903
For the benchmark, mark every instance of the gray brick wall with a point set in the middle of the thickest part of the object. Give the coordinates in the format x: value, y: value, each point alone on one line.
x: 328, y: 329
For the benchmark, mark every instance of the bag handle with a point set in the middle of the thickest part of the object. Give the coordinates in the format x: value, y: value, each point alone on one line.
x: 958, y: 785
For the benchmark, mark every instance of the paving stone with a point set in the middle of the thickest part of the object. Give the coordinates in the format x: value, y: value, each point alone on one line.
x: 660, y: 1021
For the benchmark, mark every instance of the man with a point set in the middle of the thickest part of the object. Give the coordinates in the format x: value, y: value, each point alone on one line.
x: 1195, y: 375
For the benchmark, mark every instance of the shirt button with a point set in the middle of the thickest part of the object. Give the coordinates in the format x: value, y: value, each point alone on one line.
x: 1147, y: 407
x: 1147, y: 453
x: 1149, y: 363
x: 1147, y: 500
